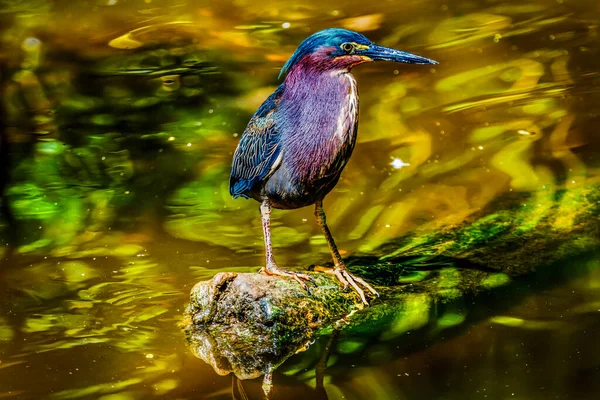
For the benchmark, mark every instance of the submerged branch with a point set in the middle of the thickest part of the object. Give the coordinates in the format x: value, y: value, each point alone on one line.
x: 249, y: 324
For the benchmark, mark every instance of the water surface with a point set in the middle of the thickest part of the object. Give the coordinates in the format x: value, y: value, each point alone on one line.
x: 119, y: 123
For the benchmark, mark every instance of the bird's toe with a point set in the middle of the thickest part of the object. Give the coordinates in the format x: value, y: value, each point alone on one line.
x: 299, y: 279
x: 348, y: 279
x: 339, y: 274
x: 274, y: 270
x: 365, y: 284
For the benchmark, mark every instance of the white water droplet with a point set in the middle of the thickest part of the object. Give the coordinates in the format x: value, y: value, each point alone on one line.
x: 397, y: 163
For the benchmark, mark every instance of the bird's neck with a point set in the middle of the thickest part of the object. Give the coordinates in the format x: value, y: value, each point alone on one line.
x: 316, y: 67
x: 311, y: 84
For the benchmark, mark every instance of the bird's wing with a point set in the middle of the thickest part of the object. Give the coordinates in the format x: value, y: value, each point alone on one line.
x: 259, y: 150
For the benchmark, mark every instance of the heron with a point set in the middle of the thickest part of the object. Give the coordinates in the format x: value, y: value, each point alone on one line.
x: 296, y: 145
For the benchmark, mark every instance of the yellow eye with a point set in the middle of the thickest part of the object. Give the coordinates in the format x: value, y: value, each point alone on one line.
x: 348, y: 47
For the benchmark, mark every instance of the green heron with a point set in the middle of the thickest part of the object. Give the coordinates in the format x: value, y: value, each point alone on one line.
x: 297, y: 143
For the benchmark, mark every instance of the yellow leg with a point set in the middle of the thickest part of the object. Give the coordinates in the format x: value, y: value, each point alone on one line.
x: 339, y: 269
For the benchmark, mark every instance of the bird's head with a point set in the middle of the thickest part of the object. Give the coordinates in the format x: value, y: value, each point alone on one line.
x: 340, y: 49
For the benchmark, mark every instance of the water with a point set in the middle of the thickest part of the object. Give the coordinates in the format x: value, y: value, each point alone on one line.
x: 120, y: 122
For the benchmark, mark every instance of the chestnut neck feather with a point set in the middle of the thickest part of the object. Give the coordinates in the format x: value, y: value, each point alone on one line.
x: 317, y: 115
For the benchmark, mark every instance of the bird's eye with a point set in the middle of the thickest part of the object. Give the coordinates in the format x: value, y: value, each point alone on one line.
x: 348, y: 47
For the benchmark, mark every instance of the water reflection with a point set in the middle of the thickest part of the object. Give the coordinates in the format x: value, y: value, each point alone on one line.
x: 118, y: 124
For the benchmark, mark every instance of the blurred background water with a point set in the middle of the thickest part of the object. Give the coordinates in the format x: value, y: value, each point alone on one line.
x: 118, y: 123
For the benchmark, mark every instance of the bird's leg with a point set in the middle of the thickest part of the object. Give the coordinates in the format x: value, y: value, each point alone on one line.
x: 267, y: 385
x: 322, y: 364
x: 339, y: 269
x: 236, y: 383
x: 271, y: 268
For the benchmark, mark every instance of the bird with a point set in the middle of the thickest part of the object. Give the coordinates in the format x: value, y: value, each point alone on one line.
x: 297, y: 143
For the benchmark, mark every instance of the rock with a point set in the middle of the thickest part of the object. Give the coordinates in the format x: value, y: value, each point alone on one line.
x: 249, y: 324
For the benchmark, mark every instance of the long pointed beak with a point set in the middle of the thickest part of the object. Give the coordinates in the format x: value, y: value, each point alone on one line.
x: 380, y: 53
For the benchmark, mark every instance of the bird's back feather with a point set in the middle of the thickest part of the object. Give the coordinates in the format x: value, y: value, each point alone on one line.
x: 258, y: 151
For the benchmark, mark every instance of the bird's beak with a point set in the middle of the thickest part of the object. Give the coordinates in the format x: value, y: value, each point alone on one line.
x: 380, y: 53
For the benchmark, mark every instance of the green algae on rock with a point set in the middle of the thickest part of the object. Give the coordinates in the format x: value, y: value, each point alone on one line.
x: 516, y: 233
x: 250, y: 324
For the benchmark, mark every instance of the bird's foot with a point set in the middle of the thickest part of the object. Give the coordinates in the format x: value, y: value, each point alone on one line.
x: 272, y: 269
x: 349, y: 279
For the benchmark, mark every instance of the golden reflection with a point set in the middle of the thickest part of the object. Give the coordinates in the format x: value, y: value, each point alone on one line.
x: 461, y: 31
x: 137, y: 37
x: 514, y: 159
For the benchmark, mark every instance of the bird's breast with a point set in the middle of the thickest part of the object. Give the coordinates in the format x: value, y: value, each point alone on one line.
x: 321, y: 131
x: 318, y: 136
